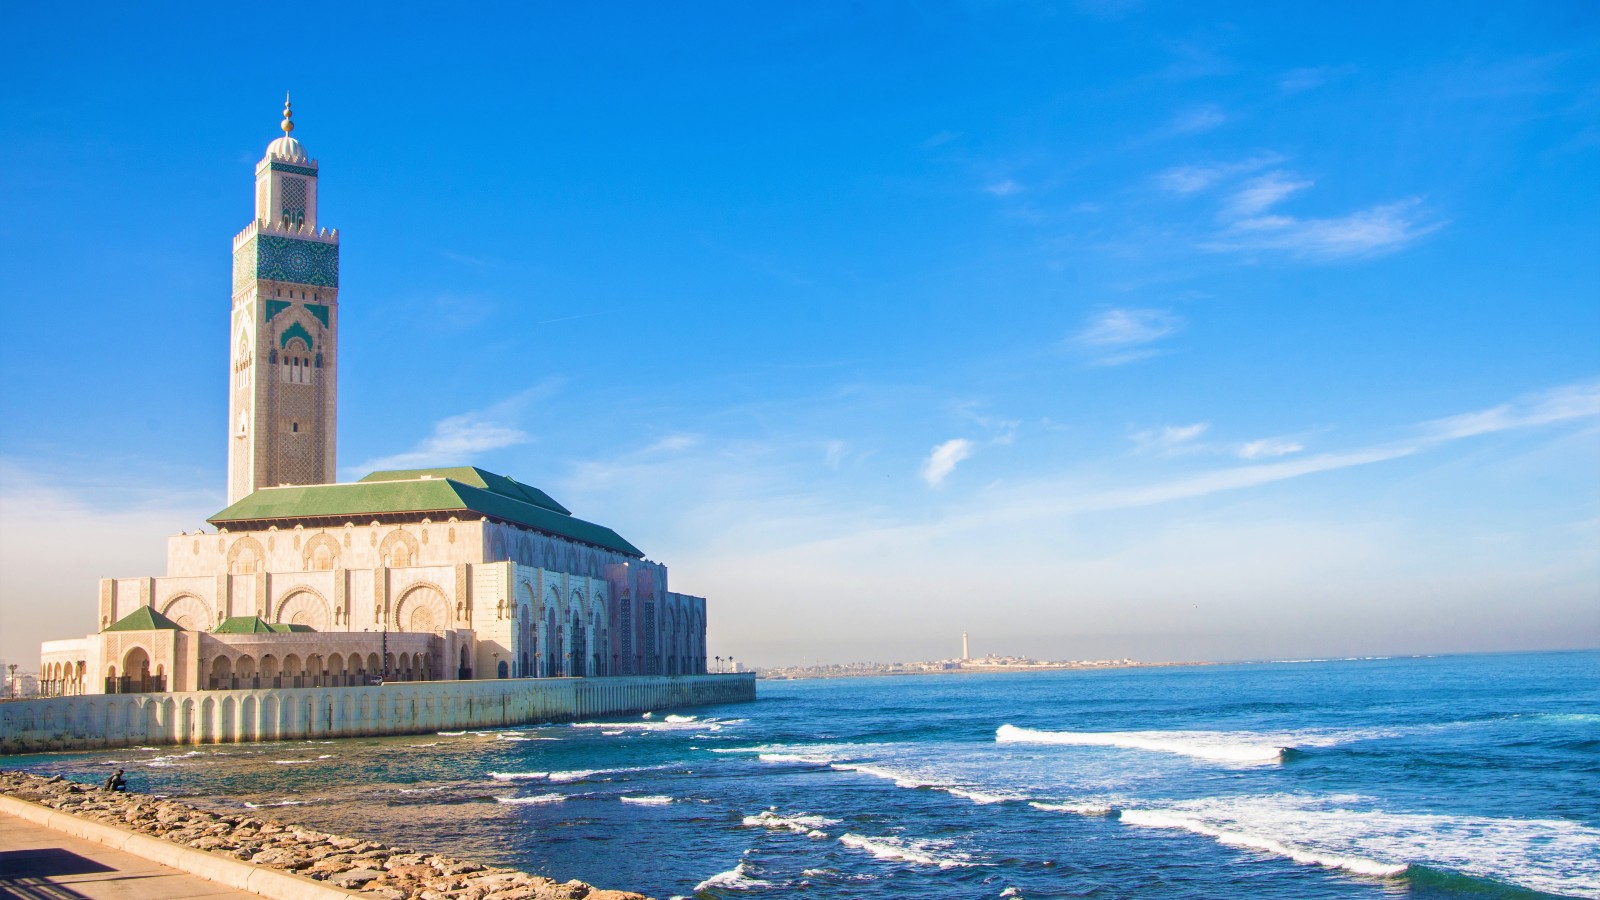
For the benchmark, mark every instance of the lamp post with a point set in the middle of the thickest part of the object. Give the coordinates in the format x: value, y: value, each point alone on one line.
x: 383, y: 660
x: 719, y: 664
x: 12, y: 693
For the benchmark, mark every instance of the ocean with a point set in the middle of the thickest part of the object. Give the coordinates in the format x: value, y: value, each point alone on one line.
x: 1457, y: 776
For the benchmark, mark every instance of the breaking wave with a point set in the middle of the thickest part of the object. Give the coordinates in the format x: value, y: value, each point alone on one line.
x: 903, y: 850
x: 592, y: 774
x: 736, y: 878
x: 1348, y: 832
x: 800, y: 824
x: 1082, y: 809
x: 647, y: 800
x: 537, y: 798
x: 518, y: 776
x: 1215, y: 746
x: 1354, y: 864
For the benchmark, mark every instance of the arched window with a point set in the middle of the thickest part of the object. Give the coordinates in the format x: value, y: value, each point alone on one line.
x: 294, y: 202
x: 296, y: 362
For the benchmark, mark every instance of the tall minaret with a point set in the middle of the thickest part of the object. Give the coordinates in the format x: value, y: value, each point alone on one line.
x: 285, y: 330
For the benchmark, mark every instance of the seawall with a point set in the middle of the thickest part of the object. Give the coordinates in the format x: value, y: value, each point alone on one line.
x: 225, y: 717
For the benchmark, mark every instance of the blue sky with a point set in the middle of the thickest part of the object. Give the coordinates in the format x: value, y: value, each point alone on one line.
x: 1171, y: 331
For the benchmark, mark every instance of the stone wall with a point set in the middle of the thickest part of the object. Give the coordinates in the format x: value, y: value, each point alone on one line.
x: 224, y: 717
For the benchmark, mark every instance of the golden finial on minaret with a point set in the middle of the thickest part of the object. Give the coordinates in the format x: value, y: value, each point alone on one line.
x: 288, y: 124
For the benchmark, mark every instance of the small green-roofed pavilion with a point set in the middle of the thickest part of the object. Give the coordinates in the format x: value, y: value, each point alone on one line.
x: 461, y: 491
x: 144, y: 619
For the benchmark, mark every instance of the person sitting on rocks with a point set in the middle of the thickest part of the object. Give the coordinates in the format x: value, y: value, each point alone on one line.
x: 115, y: 782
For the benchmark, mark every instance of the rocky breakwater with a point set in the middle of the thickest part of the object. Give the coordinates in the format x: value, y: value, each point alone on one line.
x: 372, y: 869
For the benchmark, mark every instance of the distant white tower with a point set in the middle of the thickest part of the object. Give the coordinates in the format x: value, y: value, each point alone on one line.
x: 965, y: 655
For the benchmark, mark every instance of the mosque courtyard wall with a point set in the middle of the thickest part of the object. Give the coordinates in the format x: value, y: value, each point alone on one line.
x: 237, y: 716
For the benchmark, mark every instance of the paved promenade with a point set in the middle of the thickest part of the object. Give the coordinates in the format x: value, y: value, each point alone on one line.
x: 37, y: 863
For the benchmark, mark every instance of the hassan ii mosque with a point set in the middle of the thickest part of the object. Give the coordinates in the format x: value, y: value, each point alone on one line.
x: 413, y: 575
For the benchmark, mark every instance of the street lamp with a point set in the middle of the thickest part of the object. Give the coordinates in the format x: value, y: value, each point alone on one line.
x: 13, y: 691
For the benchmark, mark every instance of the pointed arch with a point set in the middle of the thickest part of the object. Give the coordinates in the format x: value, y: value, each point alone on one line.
x: 189, y: 611
x: 303, y: 605
x: 245, y: 556
x: 399, y: 549
x: 320, y: 554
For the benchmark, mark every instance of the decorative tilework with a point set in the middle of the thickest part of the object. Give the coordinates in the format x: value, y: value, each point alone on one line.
x: 244, y: 266
x: 320, y: 310
x: 297, y: 261
x: 294, y: 170
x: 276, y: 306
x: 295, y: 331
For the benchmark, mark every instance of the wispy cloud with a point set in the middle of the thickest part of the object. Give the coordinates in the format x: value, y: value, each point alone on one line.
x: 1192, y: 179
x: 1170, y: 438
x: 833, y: 454
x: 1268, y: 448
x: 1309, y: 78
x: 944, y: 459
x: 1250, y: 226
x: 1114, y: 337
x: 1574, y: 401
x: 1262, y: 193
x: 1003, y: 188
x: 674, y: 443
x: 457, y: 439
x: 1197, y: 120
x: 1368, y: 232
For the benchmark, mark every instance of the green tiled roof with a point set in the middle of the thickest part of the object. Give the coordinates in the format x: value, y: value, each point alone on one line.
x: 255, y: 625
x: 478, y: 478
x: 144, y: 618
x: 460, y: 491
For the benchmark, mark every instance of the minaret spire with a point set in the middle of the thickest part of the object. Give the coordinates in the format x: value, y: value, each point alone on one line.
x: 288, y: 124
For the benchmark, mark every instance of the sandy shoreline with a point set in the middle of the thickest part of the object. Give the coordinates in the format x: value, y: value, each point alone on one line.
x: 368, y: 867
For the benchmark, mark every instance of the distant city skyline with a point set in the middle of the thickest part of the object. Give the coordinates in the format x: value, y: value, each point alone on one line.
x: 1096, y: 331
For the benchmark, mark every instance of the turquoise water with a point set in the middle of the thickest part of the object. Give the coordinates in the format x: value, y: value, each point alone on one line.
x: 1467, y: 776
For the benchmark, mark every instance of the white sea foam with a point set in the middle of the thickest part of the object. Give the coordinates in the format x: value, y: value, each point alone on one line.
x: 517, y: 776
x: 667, y: 724
x: 1354, y: 864
x: 647, y: 800
x: 801, y: 824
x: 736, y: 878
x: 903, y: 850
x: 1217, y: 746
x: 281, y: 803
x: 677, y: 718
x: 450, y: 733
x: 982, y: 798
x: 791, y: 758
x: 590, y: 774
x: 162, y: 762
x: 900, y: 778
x: 426, y: 790
x: 1082, y: 809
x: 537, y: 798
x: 612, y: 733
x: 294, y: 762
x: 1351, y: 832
